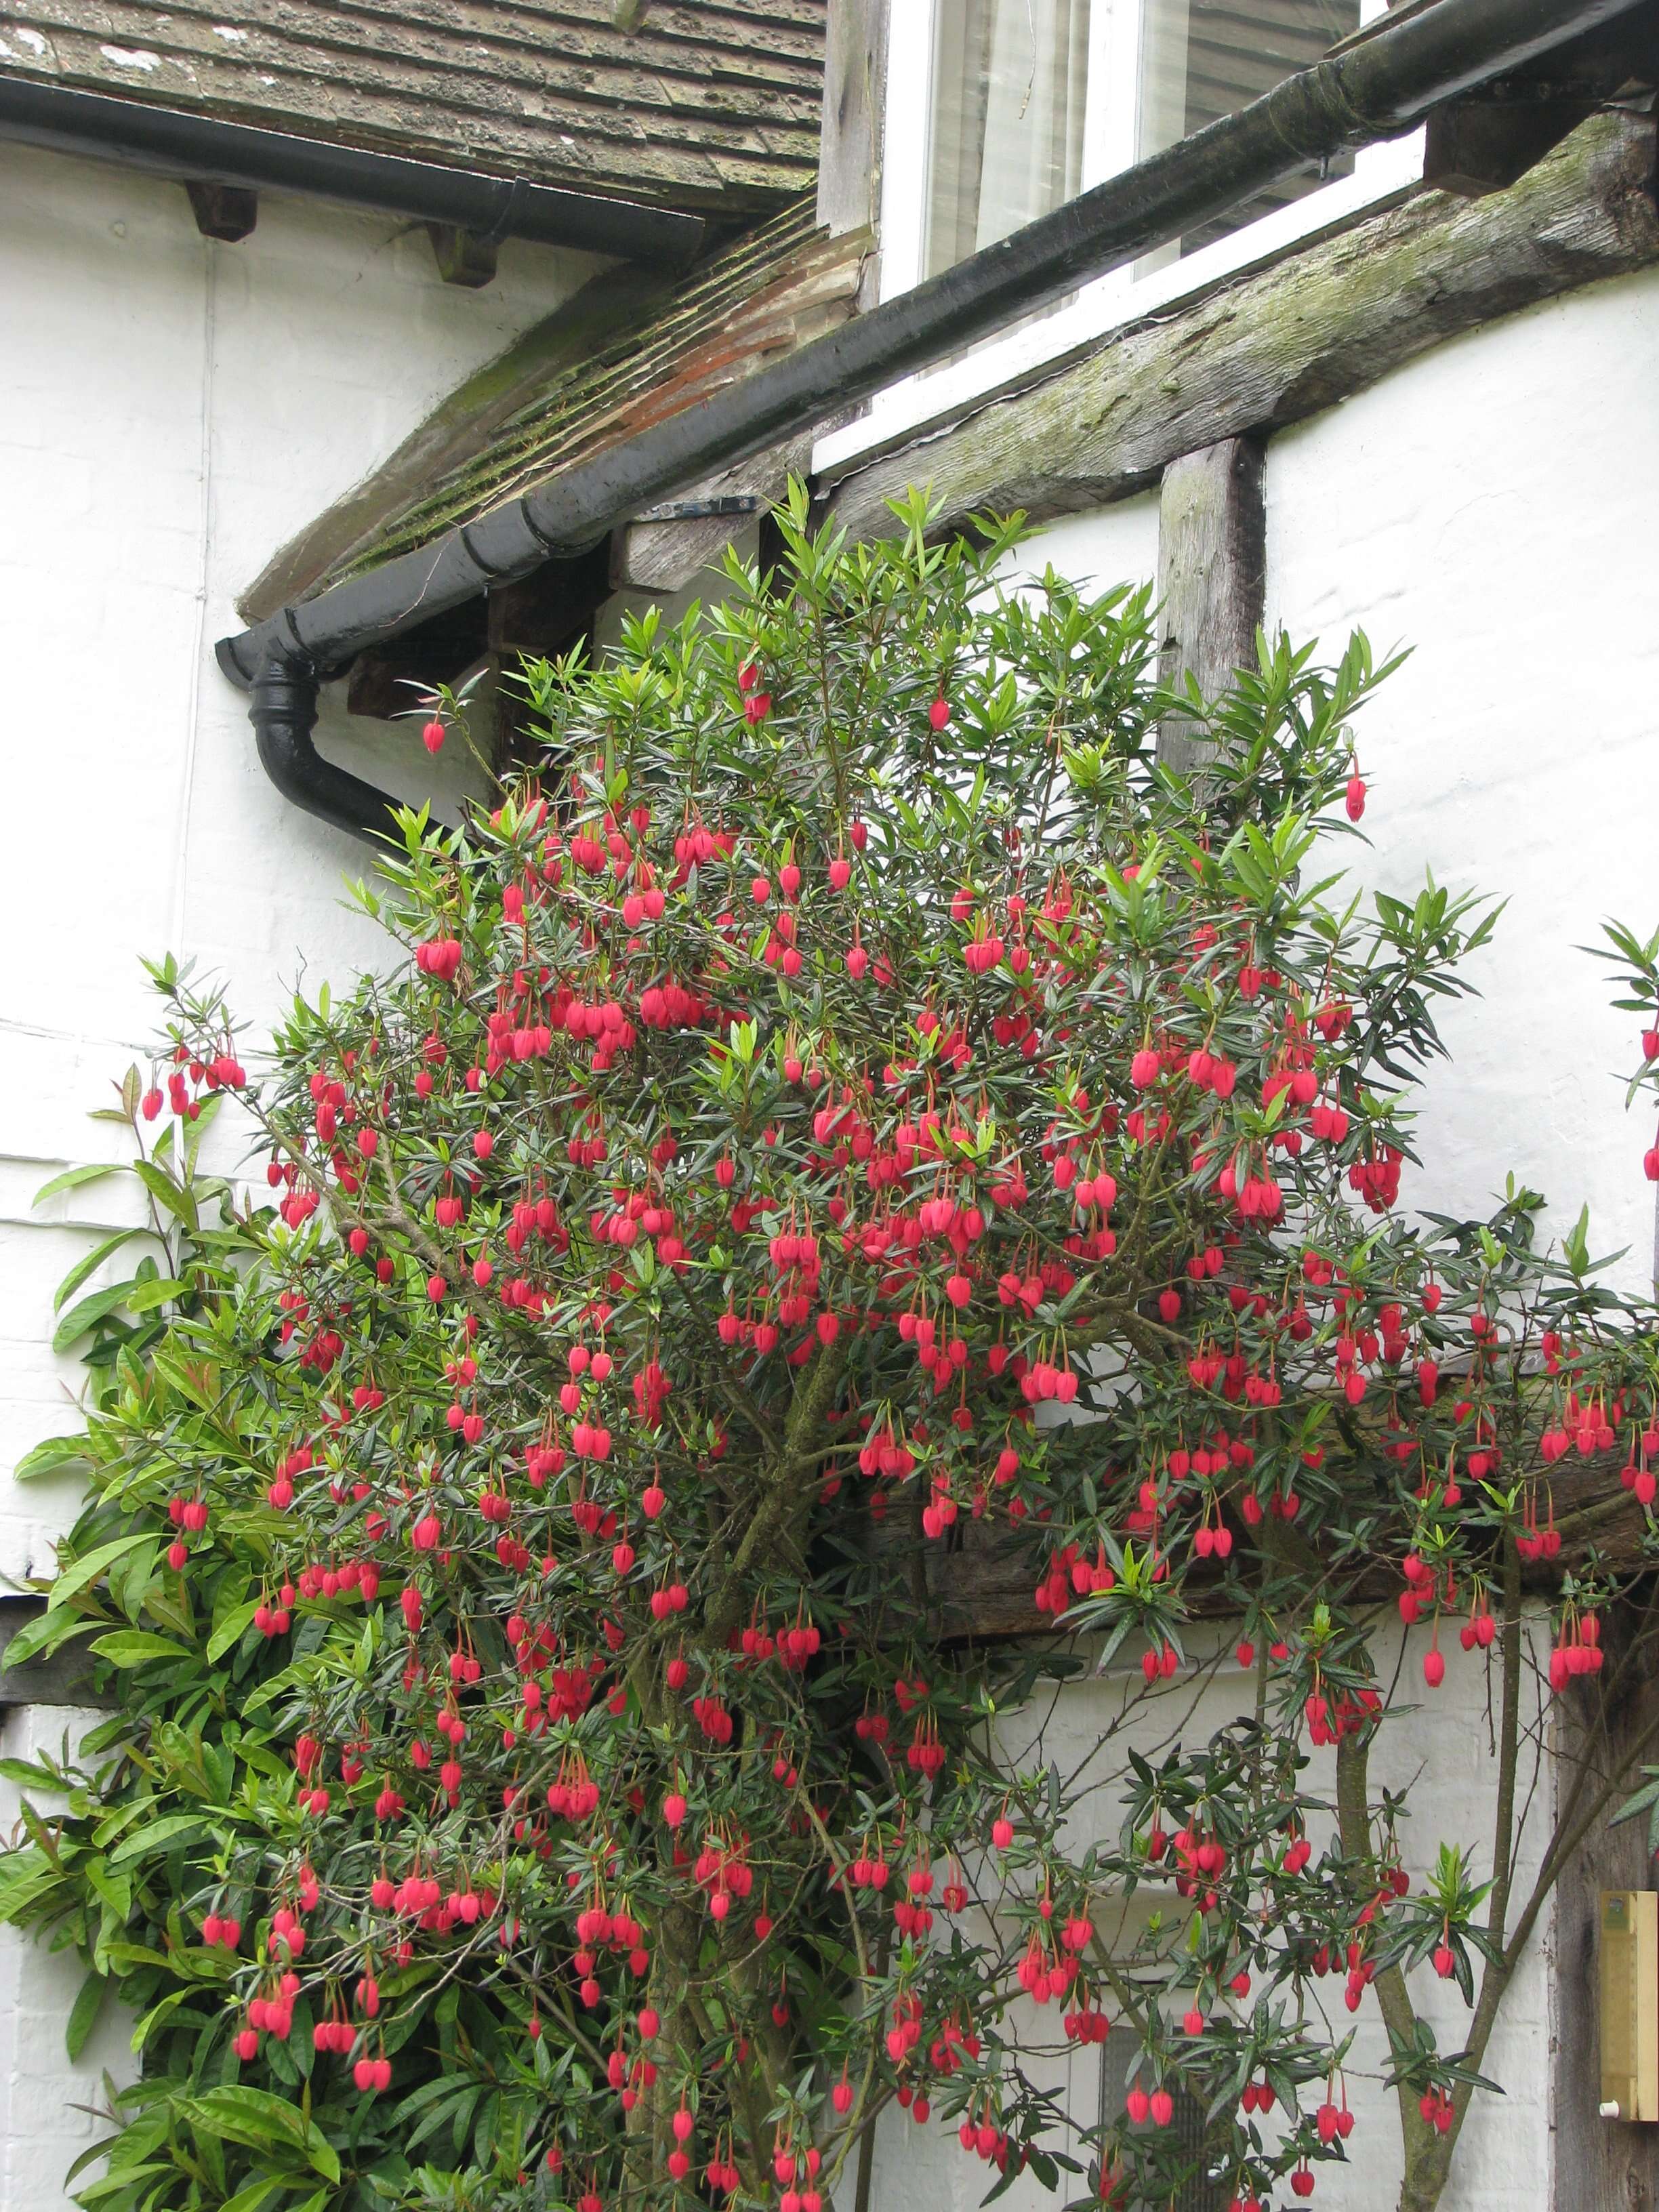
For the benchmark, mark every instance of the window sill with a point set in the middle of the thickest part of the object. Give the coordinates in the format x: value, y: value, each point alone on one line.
x: 1042, y: 344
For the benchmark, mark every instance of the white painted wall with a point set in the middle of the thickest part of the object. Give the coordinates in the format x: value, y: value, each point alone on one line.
x: 1486, y: 506
x: 1090, y: 1727
x: 49, y: 2110
x: 171, y: 411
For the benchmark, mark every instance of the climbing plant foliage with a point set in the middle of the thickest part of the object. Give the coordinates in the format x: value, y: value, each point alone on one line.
x: 845, y: 1127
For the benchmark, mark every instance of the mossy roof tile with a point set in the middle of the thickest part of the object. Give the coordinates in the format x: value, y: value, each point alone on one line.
x: 773, y: 289
x: 708, y: 104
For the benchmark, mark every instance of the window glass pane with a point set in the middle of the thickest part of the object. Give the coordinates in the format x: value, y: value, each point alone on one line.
x: 1120, y: 2067
x: 1200, y: 59
x: 1006, y: 130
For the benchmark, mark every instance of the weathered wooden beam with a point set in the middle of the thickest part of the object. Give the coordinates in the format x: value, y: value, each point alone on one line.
x: 1282, y: 343
x: 664, y: 551
x: 855, y: 83
x: 58, y: 1677
x: 1212, y: 568
x: 226, y: 212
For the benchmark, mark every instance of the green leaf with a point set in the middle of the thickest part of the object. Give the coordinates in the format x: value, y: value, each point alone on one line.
x: 90, y: 1311
x: 256, y: 2194
x: 43, y: 1633
x: 72, y: 1178
x: 167, y: 1193
x: 77, y: 1575
x: 231, y: 1629
x: 89, y: 1264
x: 83, y: 2013
x: 159, y: 1835
x: 115, y: 1889
x: 156, y: 1292
x: 131, y: 1647
x: 262, y: 2121
x: 154, y: 2018
x: 49, y: 1457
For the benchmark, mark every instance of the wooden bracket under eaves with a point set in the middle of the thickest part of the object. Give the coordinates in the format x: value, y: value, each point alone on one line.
x: 226, y: 212
x: 463, y: 257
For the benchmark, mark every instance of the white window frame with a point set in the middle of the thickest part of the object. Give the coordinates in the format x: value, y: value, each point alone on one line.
x: 1111, y: 128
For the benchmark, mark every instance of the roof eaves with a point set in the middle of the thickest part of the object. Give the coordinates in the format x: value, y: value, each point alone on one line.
x: 561, y: 397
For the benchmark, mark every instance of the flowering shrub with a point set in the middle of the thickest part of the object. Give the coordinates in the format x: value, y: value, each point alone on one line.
x: 848, y: 1094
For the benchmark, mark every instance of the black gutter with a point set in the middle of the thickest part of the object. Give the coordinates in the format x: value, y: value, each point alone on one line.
x: 169, y: 142
x: 284, y: 714
x: 1379, y: 89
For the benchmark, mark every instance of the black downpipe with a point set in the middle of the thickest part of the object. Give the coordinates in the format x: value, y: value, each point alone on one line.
x: 1378, y: 89
x: 283, y: 711
x: 169, y: 142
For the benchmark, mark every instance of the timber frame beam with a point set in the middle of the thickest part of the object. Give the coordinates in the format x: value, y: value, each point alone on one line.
x: 1279, y: 343
x: 981, y: 1578
x: 64, y: 1677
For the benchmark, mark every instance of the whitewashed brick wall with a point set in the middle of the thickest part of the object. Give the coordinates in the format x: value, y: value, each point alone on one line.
x: 171, y: 411
x: 1486, y: 507
x: 51, y: 2110
x: 1439, y: 1753
x: 174, y: 410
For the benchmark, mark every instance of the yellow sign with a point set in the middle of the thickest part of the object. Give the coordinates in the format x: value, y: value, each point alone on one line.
x: 1630, y: 2004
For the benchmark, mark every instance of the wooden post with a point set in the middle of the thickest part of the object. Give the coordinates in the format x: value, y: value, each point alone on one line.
x: 1596, y: 2162
x: 1212, y: 557
x: 855, y: 80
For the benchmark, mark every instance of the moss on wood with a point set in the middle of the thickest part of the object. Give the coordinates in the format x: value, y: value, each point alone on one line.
x: 625, y: 351
x: 1282, y: 343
